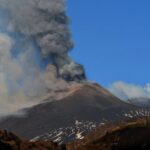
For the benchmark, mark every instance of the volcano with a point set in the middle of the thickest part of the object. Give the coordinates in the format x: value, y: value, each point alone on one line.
x: 82, y: 102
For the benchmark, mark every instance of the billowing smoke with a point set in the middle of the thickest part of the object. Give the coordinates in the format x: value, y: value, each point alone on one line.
x: 127, y: 91
x: 34, y: 44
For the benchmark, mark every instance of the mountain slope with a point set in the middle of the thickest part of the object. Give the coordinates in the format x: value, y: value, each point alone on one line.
x: 127, y: 135
x: 123, y: 136
x: 141, y: 101
x: 68, y: 134
x: 89, y: 102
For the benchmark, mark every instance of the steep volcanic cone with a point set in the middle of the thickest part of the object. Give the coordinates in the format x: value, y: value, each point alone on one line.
x: 82, y: 102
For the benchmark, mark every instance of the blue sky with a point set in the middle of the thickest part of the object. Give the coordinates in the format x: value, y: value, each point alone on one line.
x: 112, y: 39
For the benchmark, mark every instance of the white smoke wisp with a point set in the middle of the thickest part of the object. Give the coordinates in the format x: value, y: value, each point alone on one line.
x: 127, y: 91
x: 34, y: 43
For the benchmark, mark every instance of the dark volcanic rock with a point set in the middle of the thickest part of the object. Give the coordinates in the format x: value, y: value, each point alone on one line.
x: 88, y: 102
x: 9, y: 141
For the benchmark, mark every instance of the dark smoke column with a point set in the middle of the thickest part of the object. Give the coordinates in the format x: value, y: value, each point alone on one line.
x: 46, y: 24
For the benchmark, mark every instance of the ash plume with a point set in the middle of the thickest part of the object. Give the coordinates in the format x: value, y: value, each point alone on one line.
x: 34, y: 44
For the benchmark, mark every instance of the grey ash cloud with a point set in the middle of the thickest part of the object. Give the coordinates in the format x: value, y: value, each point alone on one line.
x: 44, y: 32
x: 45, y: 22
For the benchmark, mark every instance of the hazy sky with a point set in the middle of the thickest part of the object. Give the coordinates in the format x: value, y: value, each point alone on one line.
x: 112, y: 39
